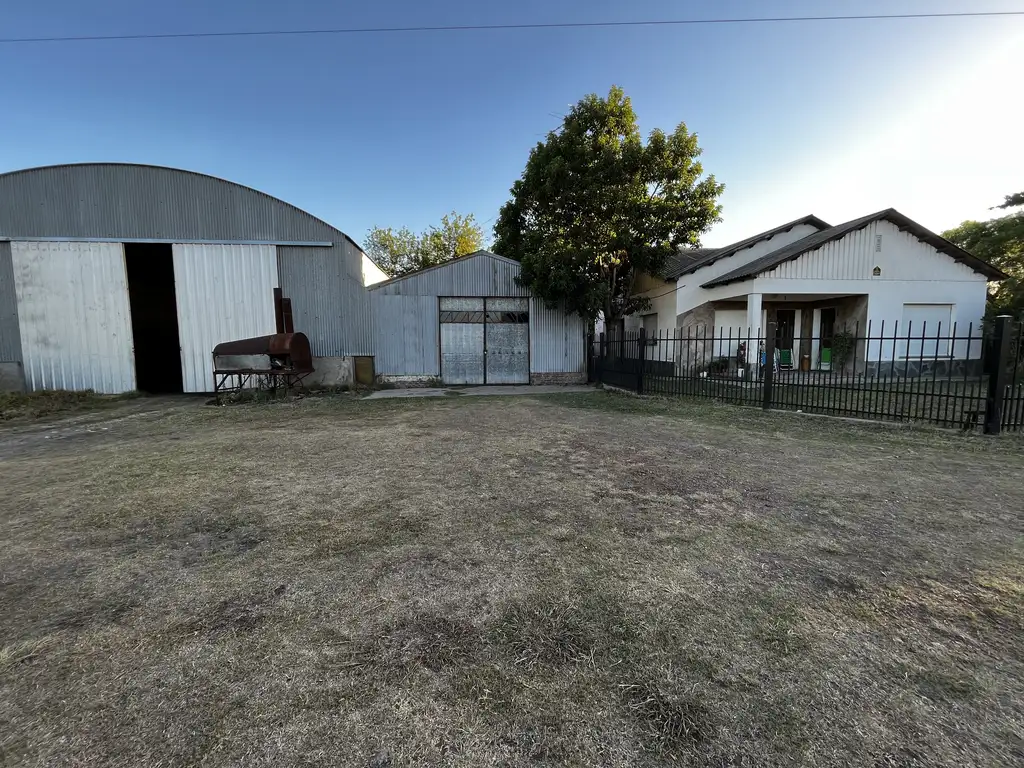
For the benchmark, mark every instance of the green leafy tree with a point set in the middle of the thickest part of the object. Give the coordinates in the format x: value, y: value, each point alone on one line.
x: 401, y: 251
x: 1000, y: 242
x: 597, y: 205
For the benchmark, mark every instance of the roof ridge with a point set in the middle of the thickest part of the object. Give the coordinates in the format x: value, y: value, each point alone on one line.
x: 739, y: 245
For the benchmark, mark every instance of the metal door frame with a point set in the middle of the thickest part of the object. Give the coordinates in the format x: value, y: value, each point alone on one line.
x: 529, y: 333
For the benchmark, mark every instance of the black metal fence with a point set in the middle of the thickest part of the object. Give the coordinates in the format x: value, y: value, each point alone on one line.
x: 959, y: 376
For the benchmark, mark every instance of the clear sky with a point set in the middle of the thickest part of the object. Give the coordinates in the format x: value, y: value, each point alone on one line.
x: 838, y: 119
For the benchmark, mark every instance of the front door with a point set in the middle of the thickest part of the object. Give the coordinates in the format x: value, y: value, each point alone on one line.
x: 785, y: 329
x: 826, y: 331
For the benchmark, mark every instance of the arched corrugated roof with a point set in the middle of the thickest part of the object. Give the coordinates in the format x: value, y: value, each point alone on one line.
x: 131, y: 200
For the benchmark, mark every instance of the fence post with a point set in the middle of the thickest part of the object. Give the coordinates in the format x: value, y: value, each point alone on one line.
x: 997, y: 378
x: 769, y: 365
x: 640, y: 367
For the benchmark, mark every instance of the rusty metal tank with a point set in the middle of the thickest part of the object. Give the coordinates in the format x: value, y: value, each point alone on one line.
x: 287, y: 351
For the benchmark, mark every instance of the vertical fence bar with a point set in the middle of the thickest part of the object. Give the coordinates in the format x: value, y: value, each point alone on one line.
x: 966, y: 396
x: 915, y: 392
x: 769, y: 366
x: 950, y: 384
x: 1012, y: 408
x: 901, y: 399
x: 875, y: 377
x: 892, y: 372
x: 997, y: 378
x: 865, y: 391
x: 689, y: 386
x: 728, y: 353
x: 847, y: 382
x: 642, y: 353
x: 930, y: 399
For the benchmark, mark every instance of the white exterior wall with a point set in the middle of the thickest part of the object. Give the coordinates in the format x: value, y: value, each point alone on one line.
x: 224, y: 293
x: 372, y: 274
x: 689, y: 293
x: 912, y: 272
x: 730, y: 330
x: 75, y: 320
x: 663, y: 304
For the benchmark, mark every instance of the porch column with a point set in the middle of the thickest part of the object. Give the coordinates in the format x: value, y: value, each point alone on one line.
x: 754, y: 326
x: 815, y: 339
x: 798, y: 318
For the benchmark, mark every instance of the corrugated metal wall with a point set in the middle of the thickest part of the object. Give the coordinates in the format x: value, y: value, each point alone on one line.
x: 76, y: 328
x: 10, y: 339
x: 405, y: 314
x: 558, y: 341
x: 224, y: 292
x: 329, y: 302
x: 119, y: 202
x: 482, y: 274
x: 406, y: 335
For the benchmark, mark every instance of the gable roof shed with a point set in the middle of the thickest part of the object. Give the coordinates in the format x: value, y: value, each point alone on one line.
x: 480, y: 273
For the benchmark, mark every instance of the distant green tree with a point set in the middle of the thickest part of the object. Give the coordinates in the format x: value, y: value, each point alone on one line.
x: 401, y: 251
x: 597, y: 205
x: 1000, y: 242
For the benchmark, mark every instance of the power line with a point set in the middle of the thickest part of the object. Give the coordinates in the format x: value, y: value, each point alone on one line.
x: 488, y: 27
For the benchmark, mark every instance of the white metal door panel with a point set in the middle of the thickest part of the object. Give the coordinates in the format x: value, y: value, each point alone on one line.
x: 75, y: 317
x: 507, y: 340
x: 462, y: 353
x: 927, y: 328
x: 462, y: 340
x: 224, y: 292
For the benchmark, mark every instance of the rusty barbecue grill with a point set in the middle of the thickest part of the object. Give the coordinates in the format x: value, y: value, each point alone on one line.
x: 277, y: 362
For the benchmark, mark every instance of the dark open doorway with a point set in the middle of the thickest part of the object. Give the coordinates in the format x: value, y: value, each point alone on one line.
x: 150, y: 268
x: 785, y: 328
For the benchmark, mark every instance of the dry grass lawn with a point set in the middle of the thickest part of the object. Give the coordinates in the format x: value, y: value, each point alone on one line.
x: 570, y: 580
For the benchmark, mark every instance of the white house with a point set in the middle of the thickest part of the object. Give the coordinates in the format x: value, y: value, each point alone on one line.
x: 882, y: 274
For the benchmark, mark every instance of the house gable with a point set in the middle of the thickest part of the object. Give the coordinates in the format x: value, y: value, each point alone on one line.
x: 879, y: 252
x: 690, y: 294
x: 826, y: 240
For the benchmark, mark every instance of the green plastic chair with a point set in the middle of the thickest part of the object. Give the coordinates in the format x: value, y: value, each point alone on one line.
x: 826, y: 358
x: 785, y: 358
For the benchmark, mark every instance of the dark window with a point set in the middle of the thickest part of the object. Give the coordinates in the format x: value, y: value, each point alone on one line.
x: 508, y: 317
x: 828, y: 327
x: 462, y: 317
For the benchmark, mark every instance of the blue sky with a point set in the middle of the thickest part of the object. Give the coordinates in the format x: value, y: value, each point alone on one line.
x: 838, y: 119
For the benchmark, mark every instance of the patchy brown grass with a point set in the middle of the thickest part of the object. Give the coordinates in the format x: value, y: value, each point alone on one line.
x: 36, y: 405
x: 571, y: 580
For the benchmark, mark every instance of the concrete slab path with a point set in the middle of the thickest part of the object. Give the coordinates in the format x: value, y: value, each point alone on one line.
x: 517, y: 389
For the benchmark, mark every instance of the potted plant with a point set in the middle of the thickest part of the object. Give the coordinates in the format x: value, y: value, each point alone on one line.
x: 843, y: 344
